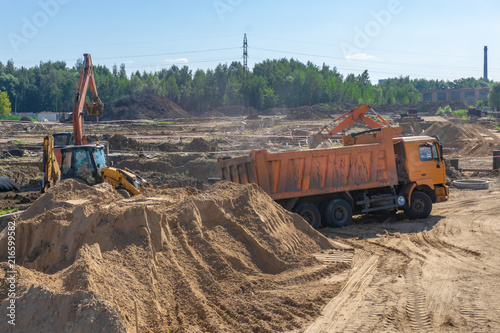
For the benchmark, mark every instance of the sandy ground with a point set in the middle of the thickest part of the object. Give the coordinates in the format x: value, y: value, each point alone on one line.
x: 381, y: 274
x: 440, y: 274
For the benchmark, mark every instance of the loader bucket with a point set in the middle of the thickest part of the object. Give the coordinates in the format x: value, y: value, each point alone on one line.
x: 314, y: 140
x: 94, y: 109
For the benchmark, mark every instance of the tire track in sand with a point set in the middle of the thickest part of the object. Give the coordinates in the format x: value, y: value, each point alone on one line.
x: 419, y: 318
x: 341, y: 308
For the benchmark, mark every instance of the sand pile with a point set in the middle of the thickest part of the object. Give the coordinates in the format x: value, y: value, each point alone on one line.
x: 146, y: 106
x: 224, y: 260
x: 466, y: 140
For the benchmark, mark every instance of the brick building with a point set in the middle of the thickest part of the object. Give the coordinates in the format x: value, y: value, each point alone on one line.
x: 466, y: 96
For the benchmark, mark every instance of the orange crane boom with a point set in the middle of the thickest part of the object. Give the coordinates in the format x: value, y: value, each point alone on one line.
x: 94, y: 108
x: 348, y: 118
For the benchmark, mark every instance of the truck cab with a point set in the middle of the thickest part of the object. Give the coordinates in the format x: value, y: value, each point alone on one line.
x: 422, y: 165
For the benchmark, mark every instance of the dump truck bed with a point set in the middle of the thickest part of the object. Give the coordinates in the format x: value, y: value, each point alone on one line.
x: 315, y: 172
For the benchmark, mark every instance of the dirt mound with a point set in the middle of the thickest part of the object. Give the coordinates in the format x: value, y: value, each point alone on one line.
x: 200, y: 145
x: 466, y: 140
x: 167, y: 147
x: 306, y: 115
x: 121, y: 142
x: 236, y: 110
x: 146, y: 106
x: 212, y: 114
x: 225, y: 260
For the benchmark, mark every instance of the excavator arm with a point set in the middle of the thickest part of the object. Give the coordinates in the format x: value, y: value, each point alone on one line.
x: 346, y: 120
x: 94, y: 108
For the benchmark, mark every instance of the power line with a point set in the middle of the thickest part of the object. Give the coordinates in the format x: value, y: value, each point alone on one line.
x: 119, y: 43
x: 371, y: 49
x: 173, y: 53
x: 377, y: 62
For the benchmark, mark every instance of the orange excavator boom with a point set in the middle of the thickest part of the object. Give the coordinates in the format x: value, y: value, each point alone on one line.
x: 94, y: 108
x: 347, y: 119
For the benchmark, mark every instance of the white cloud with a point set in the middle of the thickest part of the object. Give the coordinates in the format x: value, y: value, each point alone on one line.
x: 360, y: 56
x: 182, y: 60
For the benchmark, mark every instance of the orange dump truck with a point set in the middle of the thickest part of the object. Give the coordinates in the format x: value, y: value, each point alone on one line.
x: 373, y: 171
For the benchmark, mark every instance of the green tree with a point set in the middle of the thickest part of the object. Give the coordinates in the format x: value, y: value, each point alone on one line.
x: 494, y: 96
x: 5, y: 106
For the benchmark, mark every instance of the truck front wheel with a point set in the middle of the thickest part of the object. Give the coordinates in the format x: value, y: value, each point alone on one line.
x: 310, y: 213
x: 338, y: 213
x: 420, y: 206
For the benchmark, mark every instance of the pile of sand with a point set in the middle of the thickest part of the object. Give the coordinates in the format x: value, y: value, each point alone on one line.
x: 466, y: 140
x: 145, y: 106
x: 225, y: 260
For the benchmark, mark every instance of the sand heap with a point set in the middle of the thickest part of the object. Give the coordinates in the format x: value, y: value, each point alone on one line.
x: 225, y: 260
x: 466, y: 140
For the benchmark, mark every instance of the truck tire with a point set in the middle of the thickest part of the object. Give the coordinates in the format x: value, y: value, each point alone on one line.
x: 420, y: 207
x: 338, y: 213
x: 310, y: 213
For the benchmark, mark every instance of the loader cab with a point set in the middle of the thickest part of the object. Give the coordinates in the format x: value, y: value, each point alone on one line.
x: 83, y: 163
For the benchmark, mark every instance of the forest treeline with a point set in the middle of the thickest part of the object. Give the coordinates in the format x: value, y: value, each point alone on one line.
x: 51, y: 86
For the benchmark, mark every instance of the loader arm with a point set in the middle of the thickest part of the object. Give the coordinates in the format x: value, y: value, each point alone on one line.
x: 125, y: 179
x: 93, y: 108
x: 346, y: 120
x: 51, y: 170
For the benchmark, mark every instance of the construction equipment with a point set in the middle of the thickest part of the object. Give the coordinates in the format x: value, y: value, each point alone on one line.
x: 374, y: 171
x: 86, y: 164
x: 67, y: 155
x: 347, y: 119
x: 51, y: 171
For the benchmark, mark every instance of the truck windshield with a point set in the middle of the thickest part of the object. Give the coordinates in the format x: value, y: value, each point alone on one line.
x: 428, y: 153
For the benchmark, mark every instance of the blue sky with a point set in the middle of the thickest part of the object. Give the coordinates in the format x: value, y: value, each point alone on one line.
x: 422, y: 39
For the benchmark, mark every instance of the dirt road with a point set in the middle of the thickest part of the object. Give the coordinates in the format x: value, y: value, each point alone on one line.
x: 441, y: 274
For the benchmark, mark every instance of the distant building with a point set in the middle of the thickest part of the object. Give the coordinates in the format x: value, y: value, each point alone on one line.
x: 466, y: 96
x: 52, y: 116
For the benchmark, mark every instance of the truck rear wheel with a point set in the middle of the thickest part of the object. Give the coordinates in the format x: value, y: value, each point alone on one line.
x: 310, y: 213
x: 420, y: 206
x: 338, y: 213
